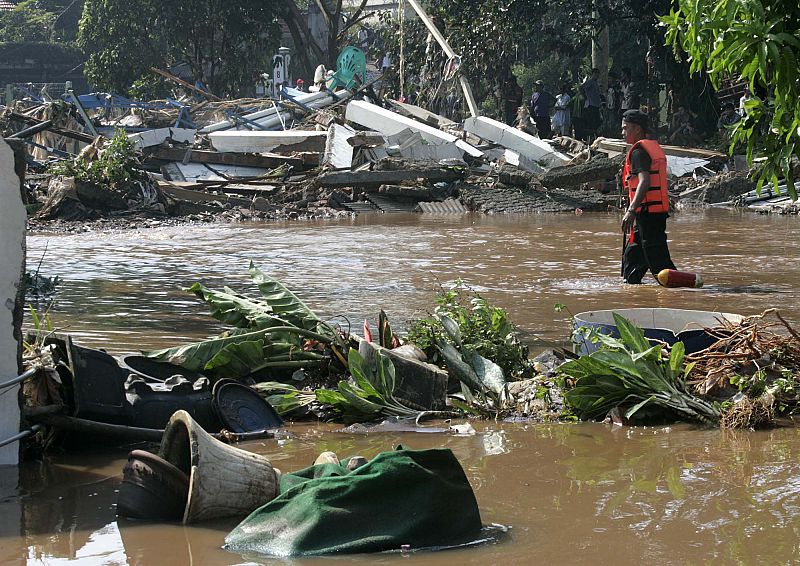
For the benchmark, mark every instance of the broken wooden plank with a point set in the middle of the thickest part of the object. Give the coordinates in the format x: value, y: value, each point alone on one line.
x: 191, y: 195
x: 79, y: 136
x: 275, y: 116
x: 378, y: 178
x: 261, y: 141
x: 184, y: 84
x: 390, y: 123
x: 619, y: 146
x: 421, y: 114
x: 264, y: 160
x: 516, y: 140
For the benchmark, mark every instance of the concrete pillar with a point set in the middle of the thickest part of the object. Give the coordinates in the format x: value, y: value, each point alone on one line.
x: 12, y: 265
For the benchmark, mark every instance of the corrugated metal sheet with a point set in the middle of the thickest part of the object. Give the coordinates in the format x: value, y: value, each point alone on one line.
x: 391, y: 205
x: 359, y: 207
x: 449, y: 206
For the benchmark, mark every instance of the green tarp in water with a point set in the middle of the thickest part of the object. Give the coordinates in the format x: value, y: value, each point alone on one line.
x: 419, y: 498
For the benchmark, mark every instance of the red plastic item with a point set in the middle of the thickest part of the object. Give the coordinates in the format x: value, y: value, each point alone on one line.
x: 673, y: 278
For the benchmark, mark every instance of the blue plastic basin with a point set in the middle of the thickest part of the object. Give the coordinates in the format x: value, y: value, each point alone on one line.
x: 666, y: 325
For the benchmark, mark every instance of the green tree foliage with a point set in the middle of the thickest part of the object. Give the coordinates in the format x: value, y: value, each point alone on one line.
x: 225, y: 43
x: 493, y: 35
x: 26, y: 22
x: 758, y: 40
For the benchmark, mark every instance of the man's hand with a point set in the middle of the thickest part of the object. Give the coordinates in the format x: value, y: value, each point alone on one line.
x: 628, y: 220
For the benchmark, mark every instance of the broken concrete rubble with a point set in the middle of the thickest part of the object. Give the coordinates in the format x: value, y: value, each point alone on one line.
x: 371, y: 158
x: 378, y: 178
x: 390, y: 123
x: 516, y: 140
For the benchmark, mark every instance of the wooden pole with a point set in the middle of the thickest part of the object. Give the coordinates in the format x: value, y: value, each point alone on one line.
x: 184, y: 84
x: 437, y: 35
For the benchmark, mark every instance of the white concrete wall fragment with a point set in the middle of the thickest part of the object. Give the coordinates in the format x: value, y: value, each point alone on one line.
x: 12, y: 256
x: 259, y: 141
x: 338, y: 151
x: 516, y: 140
x: 150, y: 138
x: 390, y: 123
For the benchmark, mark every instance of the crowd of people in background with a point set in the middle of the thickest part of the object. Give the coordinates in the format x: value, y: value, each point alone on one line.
x: 583, y: 110
x: 586, y: 110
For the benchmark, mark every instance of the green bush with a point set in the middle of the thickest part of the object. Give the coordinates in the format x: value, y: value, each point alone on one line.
x: 485, y: 328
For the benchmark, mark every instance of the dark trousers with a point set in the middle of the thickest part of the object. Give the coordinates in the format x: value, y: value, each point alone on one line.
x: 593, y: 120
x: 648, y: 250
x: 544, y: 126
x: 510, y: 112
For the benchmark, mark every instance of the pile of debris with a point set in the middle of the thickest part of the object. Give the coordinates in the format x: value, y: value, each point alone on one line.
x: 326, y: 154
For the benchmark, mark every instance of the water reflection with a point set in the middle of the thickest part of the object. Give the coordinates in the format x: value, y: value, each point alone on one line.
x: 572, y: 493
x: 123, y: 290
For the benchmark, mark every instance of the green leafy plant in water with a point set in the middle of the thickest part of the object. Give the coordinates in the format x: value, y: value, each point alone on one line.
x: 116, y: 167
x: 283, y: 397
x: 269, y: 331
x: 370, y: 394
x: 631, y: 373
x: 483, y: 382
x: 484, y: 329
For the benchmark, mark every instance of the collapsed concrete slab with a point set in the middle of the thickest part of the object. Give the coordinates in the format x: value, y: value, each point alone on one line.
x: 522, y: 162
x: 158, y: 136
x: 390, y: 123
x: 338, y: 149
x: 411, y: 145
x: 339, y: 179
x: 12, y: 259
x: 265, y: 142
x: 419, y: 385
x: 516, y: 140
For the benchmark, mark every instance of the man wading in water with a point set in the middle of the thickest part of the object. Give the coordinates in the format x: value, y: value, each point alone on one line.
x: 645, y: 222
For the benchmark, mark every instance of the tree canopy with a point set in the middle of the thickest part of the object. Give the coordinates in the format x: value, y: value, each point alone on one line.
x: 26, y: 22
x: 759, y: 41
x: 225, y: 43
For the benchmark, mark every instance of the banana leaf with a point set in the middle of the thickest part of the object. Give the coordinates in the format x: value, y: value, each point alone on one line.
x: 238, y: 310
x: 285, y: 304
x: 631, y: 373
x: 245, y: 358
x: 236, y: 360
x: 195, y: 356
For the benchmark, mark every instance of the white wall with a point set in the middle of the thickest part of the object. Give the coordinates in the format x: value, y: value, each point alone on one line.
x: 12, y: 242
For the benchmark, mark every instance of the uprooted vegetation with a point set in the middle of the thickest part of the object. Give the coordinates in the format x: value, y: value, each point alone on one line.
x: 307, y: 367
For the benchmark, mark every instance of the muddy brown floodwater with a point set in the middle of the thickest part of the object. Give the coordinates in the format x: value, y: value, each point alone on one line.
x: 571, y: 493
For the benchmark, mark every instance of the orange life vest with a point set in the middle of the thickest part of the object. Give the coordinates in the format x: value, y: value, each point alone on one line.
x: 657, y: 198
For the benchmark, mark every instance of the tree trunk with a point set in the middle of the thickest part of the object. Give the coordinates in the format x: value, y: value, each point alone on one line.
x: 600, y: 47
